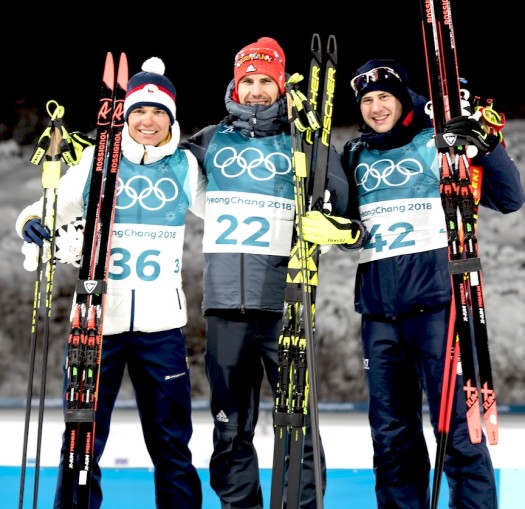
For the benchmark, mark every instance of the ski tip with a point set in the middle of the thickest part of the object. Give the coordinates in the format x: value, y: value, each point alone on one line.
x: 122, y: 77
x: 474, y: 423
x: 491, y: 424
x: 332, y: 47
x: 316, y: 43
x: 109, y: 71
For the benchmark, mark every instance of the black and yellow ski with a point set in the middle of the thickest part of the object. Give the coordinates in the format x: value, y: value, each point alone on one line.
x: 296, y: 395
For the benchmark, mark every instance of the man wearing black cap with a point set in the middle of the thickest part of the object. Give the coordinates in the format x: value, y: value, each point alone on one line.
x: 403, y: 289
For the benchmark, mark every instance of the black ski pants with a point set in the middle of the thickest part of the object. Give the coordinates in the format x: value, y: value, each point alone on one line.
x: 158, y: 368
x: 240, y: 348
x: 404, y: 360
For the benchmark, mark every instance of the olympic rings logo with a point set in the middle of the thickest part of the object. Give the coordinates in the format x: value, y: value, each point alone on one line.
x: 387, y: 173
x: 252, y: 161
x: 140, y: 189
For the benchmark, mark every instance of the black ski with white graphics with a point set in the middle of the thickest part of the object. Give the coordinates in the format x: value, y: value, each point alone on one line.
x: 296, y: 393
x: 460, y: 208
x: 85, y: 339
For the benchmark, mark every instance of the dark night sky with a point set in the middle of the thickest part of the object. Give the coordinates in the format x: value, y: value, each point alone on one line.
x: 47, y: 60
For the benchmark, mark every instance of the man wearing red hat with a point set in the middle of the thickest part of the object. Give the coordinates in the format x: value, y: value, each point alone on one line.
x: 248, y: 227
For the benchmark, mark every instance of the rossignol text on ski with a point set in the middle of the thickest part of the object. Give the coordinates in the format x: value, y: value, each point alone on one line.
x: 85, y: 339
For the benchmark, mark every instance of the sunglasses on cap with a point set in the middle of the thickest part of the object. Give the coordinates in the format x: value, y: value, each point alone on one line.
x: 361, y: 81
x: 261, y: 54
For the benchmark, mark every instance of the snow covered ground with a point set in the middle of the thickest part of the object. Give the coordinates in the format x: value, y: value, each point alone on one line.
x: 345, y: 435
x: 128, y: 474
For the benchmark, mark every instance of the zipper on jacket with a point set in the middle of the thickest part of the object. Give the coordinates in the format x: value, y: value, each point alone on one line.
x: 252, y: 122
x: 241, y: 281
x: 132, y: 314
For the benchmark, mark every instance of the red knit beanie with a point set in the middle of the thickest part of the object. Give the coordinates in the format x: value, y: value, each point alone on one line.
x: 262, y: 57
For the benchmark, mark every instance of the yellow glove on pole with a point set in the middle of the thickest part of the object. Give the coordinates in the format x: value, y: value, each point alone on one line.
x: 319, y: 228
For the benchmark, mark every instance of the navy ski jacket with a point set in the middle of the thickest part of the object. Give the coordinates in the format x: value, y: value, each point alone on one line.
x: 394, y: 189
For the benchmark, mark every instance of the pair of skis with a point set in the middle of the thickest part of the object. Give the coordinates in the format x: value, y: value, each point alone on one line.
x: 460, y: 192
x: 84, y: 347
x: 296, y: 390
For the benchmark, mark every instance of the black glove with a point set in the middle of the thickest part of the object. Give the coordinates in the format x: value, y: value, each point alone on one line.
x: 35, y: 232
x: 470, y: 130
